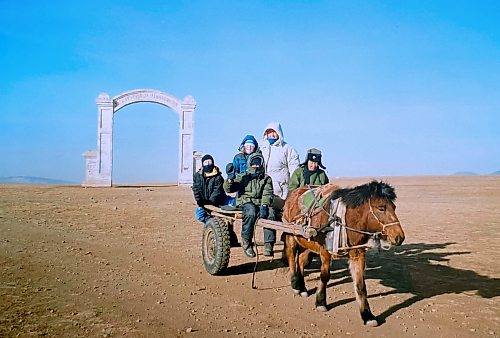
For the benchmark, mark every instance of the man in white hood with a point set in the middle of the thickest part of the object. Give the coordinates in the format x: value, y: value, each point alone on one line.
x: 280, y: 160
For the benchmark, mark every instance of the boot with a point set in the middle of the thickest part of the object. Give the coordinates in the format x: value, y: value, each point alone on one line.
x: 269, y: 249
x: 247, y: 248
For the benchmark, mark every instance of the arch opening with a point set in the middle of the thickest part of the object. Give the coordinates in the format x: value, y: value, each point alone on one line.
x: 145, y: 144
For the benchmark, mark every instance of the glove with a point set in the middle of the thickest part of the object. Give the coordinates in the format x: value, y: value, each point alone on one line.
x: 201, y: 214
x: 230, y: 171
x: 264, y: 211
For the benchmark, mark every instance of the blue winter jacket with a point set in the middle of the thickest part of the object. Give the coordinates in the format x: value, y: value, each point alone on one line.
x: 240, y: 159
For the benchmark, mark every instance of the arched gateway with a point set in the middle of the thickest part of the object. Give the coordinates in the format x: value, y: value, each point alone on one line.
x: 99, y: 162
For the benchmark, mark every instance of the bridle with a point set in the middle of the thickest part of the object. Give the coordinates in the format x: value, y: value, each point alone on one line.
x: 378, y: 220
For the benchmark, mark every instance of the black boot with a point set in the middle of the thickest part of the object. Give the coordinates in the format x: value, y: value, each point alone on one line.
x: 247, y: 248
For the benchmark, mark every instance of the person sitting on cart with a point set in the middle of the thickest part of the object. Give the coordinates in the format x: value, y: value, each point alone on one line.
x: 248, y: 146
x: 208, y: 187
x: 254, y: 195
x: 310, y: 172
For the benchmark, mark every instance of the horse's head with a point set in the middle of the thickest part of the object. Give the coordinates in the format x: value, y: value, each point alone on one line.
x: 376, y: 211
x: 382, y: 218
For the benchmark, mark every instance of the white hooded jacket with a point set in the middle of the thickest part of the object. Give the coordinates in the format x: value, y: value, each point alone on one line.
x: 280, y: 160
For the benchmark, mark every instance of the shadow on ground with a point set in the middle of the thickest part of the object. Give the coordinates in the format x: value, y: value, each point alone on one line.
x: 419, y: 269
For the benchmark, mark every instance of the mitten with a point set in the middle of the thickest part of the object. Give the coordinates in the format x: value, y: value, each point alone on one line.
x: 201, y: 214
x: 230, y: 171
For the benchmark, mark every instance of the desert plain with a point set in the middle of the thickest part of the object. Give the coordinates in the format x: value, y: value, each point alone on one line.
x: 126, y: 261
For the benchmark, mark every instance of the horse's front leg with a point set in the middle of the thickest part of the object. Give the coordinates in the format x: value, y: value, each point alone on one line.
x: 296, y: 278
x: 323, y: 281
x: 357, y: 261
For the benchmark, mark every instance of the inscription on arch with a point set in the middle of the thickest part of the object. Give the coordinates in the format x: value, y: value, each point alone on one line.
x: 145, y: 95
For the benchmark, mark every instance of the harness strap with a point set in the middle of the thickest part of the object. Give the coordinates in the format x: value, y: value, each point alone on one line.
x: 378, y: 220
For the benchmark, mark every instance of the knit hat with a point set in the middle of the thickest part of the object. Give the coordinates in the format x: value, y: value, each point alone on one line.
x: 207, y: 157
x: 256, y: 160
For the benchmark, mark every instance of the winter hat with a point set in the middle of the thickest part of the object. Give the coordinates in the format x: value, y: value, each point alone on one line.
x: 207, y: 157
x: 256, y: 160
x: 248, y: 139
x: 314, y: 155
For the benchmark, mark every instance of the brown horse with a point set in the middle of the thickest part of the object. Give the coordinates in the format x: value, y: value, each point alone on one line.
x: 370, y: 213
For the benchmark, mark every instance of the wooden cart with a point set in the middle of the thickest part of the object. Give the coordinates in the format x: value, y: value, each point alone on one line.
x: 216, y: 242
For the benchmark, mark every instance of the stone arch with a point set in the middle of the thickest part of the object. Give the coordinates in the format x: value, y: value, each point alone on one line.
x: 99, y: 162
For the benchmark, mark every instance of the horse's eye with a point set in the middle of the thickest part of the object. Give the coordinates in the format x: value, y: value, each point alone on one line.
x: 381, y: 208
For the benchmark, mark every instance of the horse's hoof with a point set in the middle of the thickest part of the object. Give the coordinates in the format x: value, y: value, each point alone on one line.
x: 321, y: 308
x: 296, y: 292
x: 304, y: 294
x: 371, y: 323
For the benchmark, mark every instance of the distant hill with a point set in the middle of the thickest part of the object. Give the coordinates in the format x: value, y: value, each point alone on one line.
x: 464, y: 173
x: 31, y: 180
x: 497, y: 173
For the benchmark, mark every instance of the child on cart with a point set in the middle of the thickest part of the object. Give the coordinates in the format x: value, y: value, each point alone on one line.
x: 254, y: 195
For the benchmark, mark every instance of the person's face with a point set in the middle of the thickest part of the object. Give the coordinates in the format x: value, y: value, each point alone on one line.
x: 272, y: 134
x: 249, y: 148
x: 207, y: 162
x: 312, y: 166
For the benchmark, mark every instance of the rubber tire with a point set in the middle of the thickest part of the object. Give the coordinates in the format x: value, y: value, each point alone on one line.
x: 215, y: 246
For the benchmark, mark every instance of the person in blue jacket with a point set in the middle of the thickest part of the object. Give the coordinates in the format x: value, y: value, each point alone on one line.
x: 247, y: 147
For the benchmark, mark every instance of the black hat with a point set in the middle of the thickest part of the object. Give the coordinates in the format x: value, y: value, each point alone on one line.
x: 207, y: 157
x: 314, y: 155
x: 256, y: 160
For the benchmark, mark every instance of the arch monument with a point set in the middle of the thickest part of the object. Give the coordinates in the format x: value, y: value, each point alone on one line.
x: 99, y: 162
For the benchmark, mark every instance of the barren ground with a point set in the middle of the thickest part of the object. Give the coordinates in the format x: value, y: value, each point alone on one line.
x: 126, y: 261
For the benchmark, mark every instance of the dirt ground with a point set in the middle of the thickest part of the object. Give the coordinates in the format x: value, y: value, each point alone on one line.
x: 126, y: 261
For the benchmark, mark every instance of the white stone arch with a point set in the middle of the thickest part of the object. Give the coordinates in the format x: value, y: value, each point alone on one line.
x: 99, y: 162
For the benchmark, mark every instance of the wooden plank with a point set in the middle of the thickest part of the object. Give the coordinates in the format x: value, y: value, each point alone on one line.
x: 285, y: 227
x: 263, y: 223
x: 219, y: 210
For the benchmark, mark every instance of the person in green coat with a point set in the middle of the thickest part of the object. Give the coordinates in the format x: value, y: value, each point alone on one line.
x: 255, y: 195
x: 309, y: 173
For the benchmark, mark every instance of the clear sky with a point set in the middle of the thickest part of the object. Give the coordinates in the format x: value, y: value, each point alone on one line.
x: 383, y: 88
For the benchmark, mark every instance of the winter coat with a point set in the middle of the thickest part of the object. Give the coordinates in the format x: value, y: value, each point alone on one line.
x: 208, y: 188
x: 319, y: 177
x: 258, y: 190
x: 240, y: 163
x: 280, y: 160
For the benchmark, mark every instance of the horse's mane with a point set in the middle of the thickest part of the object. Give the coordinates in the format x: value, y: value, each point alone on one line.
x: 354, y: 197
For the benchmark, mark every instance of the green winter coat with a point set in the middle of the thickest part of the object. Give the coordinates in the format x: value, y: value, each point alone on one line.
x: 258, y: 190
x: 297, y: 180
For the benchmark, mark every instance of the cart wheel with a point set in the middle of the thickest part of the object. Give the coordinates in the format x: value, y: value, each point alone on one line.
x: 215, y: 246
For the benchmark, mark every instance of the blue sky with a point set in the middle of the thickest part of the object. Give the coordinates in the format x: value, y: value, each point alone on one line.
x: 383, y: 88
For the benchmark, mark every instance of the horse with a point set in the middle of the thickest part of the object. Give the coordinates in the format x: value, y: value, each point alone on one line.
x: 370, y: 212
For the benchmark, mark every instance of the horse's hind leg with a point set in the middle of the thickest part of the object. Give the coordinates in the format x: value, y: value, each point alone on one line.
x: 324, y: 278
x: 296, y: 278
x: 302, y: 261
x: 357, y: 263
